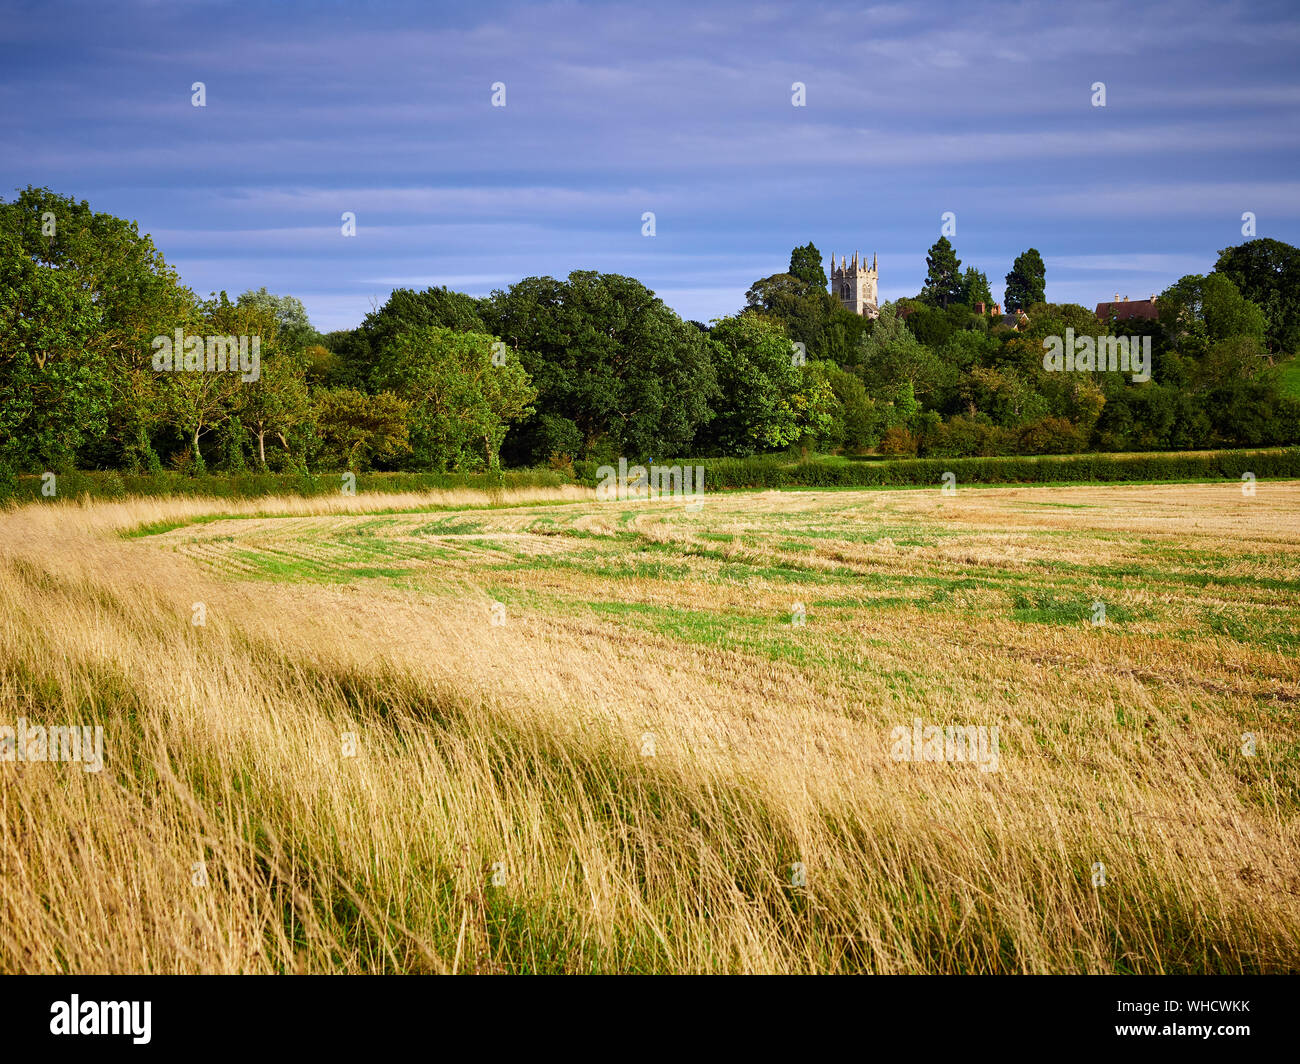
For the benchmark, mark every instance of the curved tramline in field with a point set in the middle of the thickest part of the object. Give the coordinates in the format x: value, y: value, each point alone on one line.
x: 543, y: 732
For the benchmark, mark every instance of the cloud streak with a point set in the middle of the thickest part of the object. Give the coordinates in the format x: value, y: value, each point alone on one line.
x: 912, y: 110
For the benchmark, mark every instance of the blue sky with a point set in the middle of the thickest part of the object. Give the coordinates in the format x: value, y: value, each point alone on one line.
x: 683, y: 109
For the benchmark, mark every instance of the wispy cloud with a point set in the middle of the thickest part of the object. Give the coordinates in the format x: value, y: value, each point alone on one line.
x: 676, y: 108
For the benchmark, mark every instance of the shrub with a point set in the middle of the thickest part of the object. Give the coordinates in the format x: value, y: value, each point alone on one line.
x: 562, y: 463
x: 898, y: 441
x: 1050, y: 435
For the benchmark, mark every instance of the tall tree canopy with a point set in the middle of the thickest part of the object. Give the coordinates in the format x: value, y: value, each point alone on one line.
x: 758, y: 381
x: 291, y: 321
x: 460, y: 401
x: 810, y: 314
x: 1267, y: 272
x: 1198, y: 311
x: 975, y: 288
x: 1027, y: 281
x: 405, y: 309
x: 82, y: 294
x: 616, y: 371
x: 806, y: 264
x: 943, y: 280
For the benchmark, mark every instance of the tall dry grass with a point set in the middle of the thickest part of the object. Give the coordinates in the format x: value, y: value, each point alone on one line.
x: 515, y: 754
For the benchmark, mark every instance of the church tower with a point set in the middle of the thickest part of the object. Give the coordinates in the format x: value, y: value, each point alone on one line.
x: 855, y: 284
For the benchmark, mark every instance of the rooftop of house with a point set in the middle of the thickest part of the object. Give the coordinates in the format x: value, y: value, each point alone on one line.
x: 1126, y: 308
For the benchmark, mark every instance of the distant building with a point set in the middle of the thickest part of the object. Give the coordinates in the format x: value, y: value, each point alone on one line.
x: 1123, y: 309
x: 855, y: 284
x: 1015, y: 319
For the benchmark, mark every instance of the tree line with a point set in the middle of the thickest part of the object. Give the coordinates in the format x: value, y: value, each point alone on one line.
x: 595, y: 366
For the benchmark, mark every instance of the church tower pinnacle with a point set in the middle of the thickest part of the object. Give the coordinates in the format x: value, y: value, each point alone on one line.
x: 855, y: 284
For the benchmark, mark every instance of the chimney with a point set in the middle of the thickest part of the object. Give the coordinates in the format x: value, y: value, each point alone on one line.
x: 979, y: 308
x: 1153, y: 297
x: 1126, y: 299
x: 1116, y: 297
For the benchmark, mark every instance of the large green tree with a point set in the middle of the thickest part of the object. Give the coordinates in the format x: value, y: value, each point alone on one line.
x: 196, y: 402
x: 1198, y: 311
x: 460, y: 401
x: 806, y: 265
x: 277, y: 404
x: 803, y: 310
x: 943, y: 280
x: 810, y: 314
x: 293, y: 327
x: 893, y: 356
x: 1027, y: 281
x: 53, y: 393
x: 616, y: 371
x: 1267, y: 272
x: 975, y: 288
x: 85, y: 295
x: 856, y: 426
x: 357, y: 349
x: 758, y: 380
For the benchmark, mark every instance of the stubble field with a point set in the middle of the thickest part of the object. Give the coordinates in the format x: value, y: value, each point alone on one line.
x: 540, y: 733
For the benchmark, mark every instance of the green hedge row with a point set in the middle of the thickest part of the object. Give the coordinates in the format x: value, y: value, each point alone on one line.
x: 112, y: 485
x: 763, y: 471
x: 776, y: 471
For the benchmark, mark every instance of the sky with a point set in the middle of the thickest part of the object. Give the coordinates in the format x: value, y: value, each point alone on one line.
x: 686, y: 110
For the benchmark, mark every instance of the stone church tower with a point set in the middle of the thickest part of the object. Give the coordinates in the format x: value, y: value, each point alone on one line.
x: 855, y: 284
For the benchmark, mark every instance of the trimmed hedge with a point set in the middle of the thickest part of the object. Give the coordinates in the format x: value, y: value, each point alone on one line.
x: 113, y: 485
x: 760, y: 471
x: 777, y: 471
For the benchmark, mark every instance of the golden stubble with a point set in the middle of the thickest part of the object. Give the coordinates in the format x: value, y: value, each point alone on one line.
x: 524, y: 745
